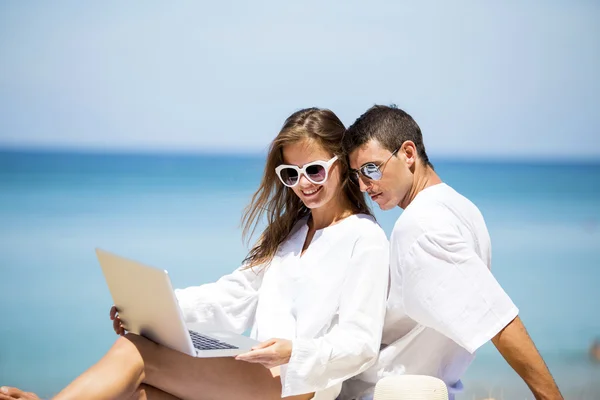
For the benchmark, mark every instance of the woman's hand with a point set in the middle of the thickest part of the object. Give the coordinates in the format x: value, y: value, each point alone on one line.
x: 272, y: 353
x: 117, y: 324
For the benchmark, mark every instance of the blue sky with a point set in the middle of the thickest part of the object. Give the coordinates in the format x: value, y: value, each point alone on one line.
x: 500, y: 79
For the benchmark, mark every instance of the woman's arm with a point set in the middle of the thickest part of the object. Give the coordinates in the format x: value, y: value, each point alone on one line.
x: 353, y: 344
x: 229, y: 303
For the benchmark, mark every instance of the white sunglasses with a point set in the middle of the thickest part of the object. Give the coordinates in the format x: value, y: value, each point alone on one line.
x: 316, y: 172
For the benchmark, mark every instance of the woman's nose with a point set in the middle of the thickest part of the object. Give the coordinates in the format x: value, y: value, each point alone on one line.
x: 303, y: 181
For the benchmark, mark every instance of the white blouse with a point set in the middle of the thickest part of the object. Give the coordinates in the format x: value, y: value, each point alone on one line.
x: 330, y: 302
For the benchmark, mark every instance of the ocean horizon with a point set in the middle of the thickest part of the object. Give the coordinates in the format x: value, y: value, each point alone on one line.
x: 182, y: 211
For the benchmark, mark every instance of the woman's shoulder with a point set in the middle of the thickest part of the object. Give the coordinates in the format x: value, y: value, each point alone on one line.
x: 367, y: 227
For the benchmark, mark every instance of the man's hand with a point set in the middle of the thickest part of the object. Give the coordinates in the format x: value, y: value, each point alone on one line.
x: 272, y: 353
x: 518, y: 350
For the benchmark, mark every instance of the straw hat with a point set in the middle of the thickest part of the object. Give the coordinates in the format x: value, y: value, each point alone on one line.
x: 410, y: 387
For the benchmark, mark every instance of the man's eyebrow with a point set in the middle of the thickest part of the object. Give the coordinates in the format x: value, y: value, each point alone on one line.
x: 371, y: 162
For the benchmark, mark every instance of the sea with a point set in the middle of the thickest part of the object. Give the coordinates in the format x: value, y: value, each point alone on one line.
x: 182, y: 212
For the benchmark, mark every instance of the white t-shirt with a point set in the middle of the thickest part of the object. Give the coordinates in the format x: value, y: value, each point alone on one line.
x: 330, y: 302
x: 444, y: 302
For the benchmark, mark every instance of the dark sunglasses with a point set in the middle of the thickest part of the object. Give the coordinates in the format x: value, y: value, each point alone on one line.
x: 370, y: 170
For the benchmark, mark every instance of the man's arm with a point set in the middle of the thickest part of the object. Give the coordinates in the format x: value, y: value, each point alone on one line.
x: 446, y: 286
x: 517, y: 348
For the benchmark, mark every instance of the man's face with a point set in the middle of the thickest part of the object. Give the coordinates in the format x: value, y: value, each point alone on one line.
x: 396, y: 178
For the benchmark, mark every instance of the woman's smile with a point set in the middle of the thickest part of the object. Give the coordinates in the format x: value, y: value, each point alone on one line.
x: 312, y: 192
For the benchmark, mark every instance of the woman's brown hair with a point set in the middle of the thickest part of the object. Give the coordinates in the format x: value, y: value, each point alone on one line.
x: 277, y: 203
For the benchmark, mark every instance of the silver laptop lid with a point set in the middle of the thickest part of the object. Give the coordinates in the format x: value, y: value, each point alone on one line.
x: 146, y: 302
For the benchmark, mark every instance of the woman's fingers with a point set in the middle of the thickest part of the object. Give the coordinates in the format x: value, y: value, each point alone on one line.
x: 248, y: 357
x: 15, y: 393
x: 257, y: 356
x: 267, y: 362
x: 271, y: 353
x: 117, y: 323
x: 264, y: 344
x: 118, y: 326
x: 113, y: 312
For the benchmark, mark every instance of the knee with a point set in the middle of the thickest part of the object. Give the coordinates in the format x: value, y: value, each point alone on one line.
x: 141, y: 393
x: 132, y: 347
x: 138, y: 341
x: 145, y: 351
x: 147, y: 392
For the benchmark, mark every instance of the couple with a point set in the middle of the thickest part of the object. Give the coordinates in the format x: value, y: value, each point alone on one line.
x: 335, y: 305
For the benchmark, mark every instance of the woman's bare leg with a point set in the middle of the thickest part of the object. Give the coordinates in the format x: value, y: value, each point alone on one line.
x: 143, y: 392
x: 116, y: 376
x: 134, y: 360
x: 207, y: 378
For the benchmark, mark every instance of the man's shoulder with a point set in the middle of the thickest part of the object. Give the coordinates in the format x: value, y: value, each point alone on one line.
x: 433, y: 210
x: 422, y: 218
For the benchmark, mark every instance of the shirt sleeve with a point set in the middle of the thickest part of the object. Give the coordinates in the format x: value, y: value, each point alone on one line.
x: 447, y: 287
x: 352, y: 345
x: 230, y: 303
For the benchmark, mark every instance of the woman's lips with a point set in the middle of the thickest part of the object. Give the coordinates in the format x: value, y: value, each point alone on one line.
x: 312, y: 193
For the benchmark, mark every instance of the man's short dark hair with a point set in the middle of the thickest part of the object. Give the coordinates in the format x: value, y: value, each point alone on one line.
x: 388, y: 125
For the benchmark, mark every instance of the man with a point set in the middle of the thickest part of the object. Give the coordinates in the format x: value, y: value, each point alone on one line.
x: 443, y: 301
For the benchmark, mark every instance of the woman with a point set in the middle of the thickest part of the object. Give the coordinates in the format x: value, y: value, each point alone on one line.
x: 312, y: 289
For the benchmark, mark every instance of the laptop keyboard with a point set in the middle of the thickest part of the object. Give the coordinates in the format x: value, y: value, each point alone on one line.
x: 205, y: 343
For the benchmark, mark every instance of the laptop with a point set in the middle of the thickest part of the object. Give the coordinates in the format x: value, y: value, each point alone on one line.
x: 148, y: 307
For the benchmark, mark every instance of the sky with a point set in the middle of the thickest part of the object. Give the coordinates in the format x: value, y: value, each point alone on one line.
x: 488, y: 79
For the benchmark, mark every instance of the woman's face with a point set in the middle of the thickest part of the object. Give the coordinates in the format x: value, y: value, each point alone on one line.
x: 313, y: 195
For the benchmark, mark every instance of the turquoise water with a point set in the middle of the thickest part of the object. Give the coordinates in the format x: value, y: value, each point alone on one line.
x: 183, y: 212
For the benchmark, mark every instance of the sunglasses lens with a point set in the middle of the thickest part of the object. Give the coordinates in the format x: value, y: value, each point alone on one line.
x: 289, y: 176
x: 316, y: 173
x: 371, y: 171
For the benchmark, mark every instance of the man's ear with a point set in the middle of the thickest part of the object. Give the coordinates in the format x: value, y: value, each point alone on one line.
x: 409, y: 150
